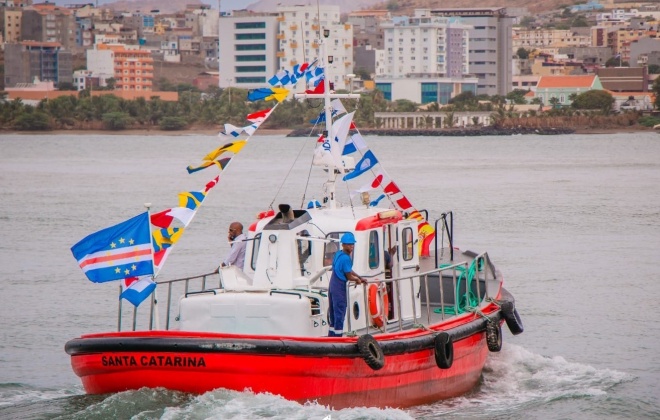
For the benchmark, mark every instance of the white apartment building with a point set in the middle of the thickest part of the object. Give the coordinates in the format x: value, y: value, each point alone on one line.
x: 490, y: 46
x: 300, y: 34
x: 426, y: 59
x: 248, y: 49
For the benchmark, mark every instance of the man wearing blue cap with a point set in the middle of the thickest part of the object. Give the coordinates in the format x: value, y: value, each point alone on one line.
x: 342, y: 272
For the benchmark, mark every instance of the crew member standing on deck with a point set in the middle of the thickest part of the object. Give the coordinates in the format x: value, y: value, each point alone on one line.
x: 342, y: 272
x: 237, y: 239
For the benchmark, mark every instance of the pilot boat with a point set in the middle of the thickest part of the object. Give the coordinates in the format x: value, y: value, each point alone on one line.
x: 418, y: 330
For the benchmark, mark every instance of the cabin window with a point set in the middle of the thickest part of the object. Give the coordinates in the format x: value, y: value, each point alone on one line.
x: 255, y: 251
x: 304, y: 250
x: 331, y: 248
x: 408, y: 248
x: 374, y: 251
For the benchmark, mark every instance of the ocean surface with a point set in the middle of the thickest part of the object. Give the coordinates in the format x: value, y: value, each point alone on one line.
x: 572, y: 221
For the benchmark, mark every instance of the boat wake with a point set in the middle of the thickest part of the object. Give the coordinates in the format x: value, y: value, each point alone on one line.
x: 517, y: 379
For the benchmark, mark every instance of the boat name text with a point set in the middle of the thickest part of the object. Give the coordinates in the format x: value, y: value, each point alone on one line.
x: 154, y: 361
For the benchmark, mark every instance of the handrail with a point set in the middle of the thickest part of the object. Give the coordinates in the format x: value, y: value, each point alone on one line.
x: 449, y: 227
x: 482, y: 263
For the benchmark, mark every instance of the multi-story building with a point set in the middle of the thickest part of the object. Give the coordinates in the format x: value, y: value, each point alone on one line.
x: 490, y: 46
x: 10, y: 21
x: 46, y: 61
x: 247, y: 49
x: 301, y: 29
x: 541, y: 39
x: 133, y: 68
x: 46, y: 22
x: 366, y: 27
x: 426, y: 59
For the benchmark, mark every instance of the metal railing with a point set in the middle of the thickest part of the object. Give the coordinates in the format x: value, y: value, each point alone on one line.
x: 484, y: 271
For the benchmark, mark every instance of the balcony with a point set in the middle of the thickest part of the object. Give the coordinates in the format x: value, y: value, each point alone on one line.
x: 293, y: 62
x: 293, y: 44
x: 280, y: 54
x: 347, y: 26
x: 348, y: 46
x: 280, y: 36
x: 316, y: 27
x: 293, y: 27
x: 280, y: 19
x: 315, y: 45
x: 347, y: 63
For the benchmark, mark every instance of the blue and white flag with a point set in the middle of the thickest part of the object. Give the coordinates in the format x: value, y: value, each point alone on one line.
x: 354, y: 143
x: 117, y: 252
x: 367, y: 162
x: 136, y: 290
x: 314, y: 76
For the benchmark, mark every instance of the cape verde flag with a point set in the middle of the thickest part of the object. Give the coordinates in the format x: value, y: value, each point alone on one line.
x: 117, y: 252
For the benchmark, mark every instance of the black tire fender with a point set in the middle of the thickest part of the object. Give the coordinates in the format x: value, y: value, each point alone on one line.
x: 371, y: 352
x: 512, y: 318
x: 443, y: 347
x: 494, y: 336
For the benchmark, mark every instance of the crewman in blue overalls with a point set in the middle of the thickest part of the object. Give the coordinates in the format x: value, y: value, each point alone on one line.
x: 342, y: 272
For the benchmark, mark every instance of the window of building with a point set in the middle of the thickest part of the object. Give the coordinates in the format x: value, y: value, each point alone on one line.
x: 250, y: 25
x: 249, y: 69
x: 240, y: 37
x: 386, y: 88
x: 256, y: 57
x: 251, y: 47
x: 250, y: 80
x: 429, y: 92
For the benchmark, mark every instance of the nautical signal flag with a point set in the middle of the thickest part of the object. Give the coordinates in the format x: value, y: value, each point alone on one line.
x: 212, y: 158
x: 117, y: 252
x: 367, y: 162
x: 267, y: 94
x: 136, y: 289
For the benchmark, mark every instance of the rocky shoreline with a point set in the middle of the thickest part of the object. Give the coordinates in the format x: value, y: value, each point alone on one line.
x: 453, y: 132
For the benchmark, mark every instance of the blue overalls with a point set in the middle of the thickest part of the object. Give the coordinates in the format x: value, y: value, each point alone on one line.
x: 337, y: 299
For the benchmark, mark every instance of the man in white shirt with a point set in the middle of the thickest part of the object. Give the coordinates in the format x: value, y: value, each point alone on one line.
x: 237, y: 239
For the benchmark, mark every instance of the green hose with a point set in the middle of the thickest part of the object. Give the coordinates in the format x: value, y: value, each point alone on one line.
x: 467, y: 300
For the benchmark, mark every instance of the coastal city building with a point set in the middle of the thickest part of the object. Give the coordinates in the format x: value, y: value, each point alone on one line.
x: 45, y: 61
x: 490, y: 46
x: 248, y: 47
x: 301, y: 29
x: 426, y: 59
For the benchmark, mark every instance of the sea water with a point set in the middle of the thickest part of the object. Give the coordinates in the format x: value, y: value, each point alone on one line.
x: 572, y: 221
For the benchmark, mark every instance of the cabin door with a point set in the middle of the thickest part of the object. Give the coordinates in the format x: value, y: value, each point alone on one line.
x: 406, y: 264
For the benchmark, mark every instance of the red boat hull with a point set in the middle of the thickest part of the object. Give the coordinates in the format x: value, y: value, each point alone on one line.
x: 407, y: 379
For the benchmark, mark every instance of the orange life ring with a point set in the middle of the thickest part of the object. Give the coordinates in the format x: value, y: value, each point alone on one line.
x: 378, y: 304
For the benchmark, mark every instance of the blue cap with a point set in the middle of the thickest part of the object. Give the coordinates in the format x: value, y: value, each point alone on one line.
x: 348, y: 238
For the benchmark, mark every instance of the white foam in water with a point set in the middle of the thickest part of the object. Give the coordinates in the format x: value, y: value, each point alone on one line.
x: 18, y: 394
x: 516, y: 377
x: 224, y: 404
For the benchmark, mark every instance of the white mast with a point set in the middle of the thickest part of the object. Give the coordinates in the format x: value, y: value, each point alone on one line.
x: 327, y: 97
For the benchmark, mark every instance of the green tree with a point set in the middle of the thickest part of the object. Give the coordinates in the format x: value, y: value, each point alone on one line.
x: 616, y: 62
x: 654, y: 69
x: 580, y: 21
x: 528, y: 21
x: 363, y: 74
x: 594, y: 99
x: 173, y: 123
x: 37, y: 121
x: 116, y: 120
x: 522, y: 53
x: 66, y: 86
x: 517, y: 96
x: 656, y: 91
x: 404, y: 105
